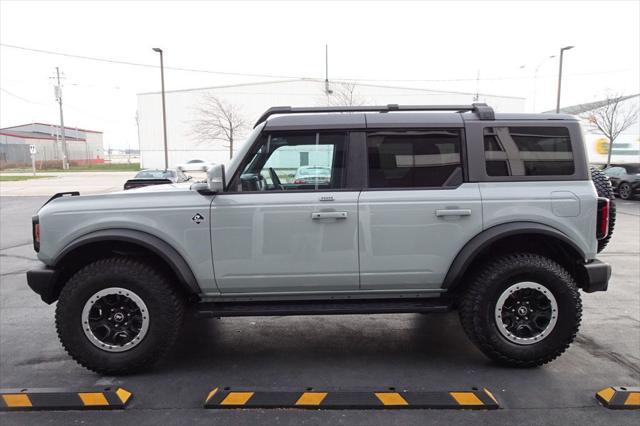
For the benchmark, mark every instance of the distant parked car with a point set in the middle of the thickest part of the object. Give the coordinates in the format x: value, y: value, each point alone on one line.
x: 312, y: 175
x: 625, y: 179
x: 156, y: 177
x: 194, y: 165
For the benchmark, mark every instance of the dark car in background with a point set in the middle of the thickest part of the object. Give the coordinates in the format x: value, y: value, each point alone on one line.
x: 156, y: 177
x: 625, y: 179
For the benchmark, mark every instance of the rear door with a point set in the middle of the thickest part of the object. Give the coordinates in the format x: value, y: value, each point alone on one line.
x: 417, y: 212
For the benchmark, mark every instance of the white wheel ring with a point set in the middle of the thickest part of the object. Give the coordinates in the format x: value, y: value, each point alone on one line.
x: 115, y: 291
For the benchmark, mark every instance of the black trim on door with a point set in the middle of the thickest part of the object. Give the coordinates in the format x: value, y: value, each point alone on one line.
x: 356, y: 161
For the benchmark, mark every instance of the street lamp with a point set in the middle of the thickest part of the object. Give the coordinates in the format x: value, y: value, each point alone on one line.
x: 164, y: 110
x: 560, y: 76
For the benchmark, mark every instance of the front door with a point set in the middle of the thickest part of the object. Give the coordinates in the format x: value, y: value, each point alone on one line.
x: 286, y: 223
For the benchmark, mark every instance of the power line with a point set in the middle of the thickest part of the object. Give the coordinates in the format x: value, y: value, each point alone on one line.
x: 20, y: 97
x: 138, y: 64
x: 258, y: 75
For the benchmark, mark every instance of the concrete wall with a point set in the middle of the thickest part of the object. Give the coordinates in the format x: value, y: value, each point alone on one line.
x: 253, y: 100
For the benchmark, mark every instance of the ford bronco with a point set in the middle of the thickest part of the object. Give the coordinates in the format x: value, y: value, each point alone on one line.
x: 419, y: 209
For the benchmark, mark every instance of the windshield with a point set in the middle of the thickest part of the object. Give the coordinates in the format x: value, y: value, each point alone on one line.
x: 230, y: 167
x: 155, y: 174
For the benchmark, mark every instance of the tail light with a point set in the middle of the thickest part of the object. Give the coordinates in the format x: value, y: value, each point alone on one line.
x: 35, y: 229
x: 603, y: 218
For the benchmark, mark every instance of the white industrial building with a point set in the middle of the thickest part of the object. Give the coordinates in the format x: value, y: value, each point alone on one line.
x: 626, y: 148
x: 252, y: 99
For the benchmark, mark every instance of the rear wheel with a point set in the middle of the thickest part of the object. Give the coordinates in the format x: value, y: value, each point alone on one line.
x: 604, y: 189
x: 522, y: 310
x: 624, y: 190
x: 118, y: 316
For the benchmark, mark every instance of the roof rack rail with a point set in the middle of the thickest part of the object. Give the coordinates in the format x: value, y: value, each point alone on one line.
x: 483, y: 111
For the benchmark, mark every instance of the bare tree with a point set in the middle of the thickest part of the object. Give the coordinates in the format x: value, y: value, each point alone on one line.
x: 613, y: 118
x: 345, y: 94
x: 218, y: 120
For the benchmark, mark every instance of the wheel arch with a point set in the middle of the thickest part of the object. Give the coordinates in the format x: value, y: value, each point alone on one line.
x: 531, y: 235
x: 97, y: 244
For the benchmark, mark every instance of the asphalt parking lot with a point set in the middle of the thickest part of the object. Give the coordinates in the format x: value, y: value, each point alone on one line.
x: 415, y: 352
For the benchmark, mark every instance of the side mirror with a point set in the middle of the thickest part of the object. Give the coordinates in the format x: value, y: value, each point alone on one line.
x: 216, y: 179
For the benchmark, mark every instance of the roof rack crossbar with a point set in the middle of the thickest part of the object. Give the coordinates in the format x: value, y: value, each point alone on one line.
x: 482, y: 110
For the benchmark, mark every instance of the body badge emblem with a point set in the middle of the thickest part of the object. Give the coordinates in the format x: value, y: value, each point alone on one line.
x: 198, y: 218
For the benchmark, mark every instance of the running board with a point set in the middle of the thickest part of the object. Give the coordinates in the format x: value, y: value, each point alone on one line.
x: 318, y: 307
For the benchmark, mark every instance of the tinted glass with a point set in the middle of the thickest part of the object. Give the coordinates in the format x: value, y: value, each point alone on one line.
x: 528, y: 151
x: 296, y: 161
x: 414, y: 159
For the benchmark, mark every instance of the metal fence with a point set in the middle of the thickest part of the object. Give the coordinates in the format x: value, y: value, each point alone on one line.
x: 14, y: 155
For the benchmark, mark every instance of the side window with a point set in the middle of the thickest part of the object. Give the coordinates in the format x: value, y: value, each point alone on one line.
x: 295, y: 161
x: 414, y: 159
x: 528, y: 151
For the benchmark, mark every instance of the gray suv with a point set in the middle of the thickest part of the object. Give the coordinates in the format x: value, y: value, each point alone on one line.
x: 423, y: 209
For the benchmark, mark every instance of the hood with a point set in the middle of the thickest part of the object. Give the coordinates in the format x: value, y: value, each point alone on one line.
x: 147, y: 197
x: 169, y: 187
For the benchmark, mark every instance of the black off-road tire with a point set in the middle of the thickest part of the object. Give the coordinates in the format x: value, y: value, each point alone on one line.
x: 604, y: 189
x: 164, y: 303
x: 479, y: 302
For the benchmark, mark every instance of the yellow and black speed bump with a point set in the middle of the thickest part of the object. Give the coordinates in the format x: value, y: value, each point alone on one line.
x: 620, y: 397
x: 63, y: 399
x: 325, y: 399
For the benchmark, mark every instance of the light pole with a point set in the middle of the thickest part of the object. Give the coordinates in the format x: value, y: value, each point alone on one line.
x: 164, y: 110
x: 560, y: 76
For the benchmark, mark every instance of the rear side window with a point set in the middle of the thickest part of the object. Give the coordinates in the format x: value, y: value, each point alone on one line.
x: 528, y: 151
x: 414, y: 159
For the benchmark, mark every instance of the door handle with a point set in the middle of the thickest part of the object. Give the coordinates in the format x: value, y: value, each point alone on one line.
x: 453, y: 212
x: 329, y: 215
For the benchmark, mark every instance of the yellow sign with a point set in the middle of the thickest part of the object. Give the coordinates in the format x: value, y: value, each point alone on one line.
x: 602, y: 146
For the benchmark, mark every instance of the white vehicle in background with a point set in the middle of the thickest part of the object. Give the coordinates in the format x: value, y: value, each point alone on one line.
x: 195, y: 165
x: 312, y: 175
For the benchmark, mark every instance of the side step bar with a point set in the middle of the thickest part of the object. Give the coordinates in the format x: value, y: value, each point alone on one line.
x: 314, y: 307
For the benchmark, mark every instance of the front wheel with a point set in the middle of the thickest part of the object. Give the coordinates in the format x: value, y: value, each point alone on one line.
x: 118, y: 316
x: 523, y: 310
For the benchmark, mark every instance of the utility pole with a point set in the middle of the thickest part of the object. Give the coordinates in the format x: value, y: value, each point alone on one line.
x: 164, y: 110
x: 560, y: 77
x: 476, y: 98
x: 65, y: 157
x: 327, y: 90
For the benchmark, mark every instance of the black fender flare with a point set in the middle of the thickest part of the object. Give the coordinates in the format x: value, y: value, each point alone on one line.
x: 477, y: 244
x: 150, y: 242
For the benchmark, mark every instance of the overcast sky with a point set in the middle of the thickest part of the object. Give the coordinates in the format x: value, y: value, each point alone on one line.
x: 415, y: 44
